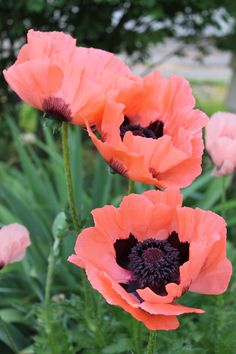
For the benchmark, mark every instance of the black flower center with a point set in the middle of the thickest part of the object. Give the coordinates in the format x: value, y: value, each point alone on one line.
x: 57, y: 109
x: 154, y: 130
x: 153, y: 263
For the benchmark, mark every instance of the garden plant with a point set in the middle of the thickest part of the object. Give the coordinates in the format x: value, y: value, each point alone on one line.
x: 101, y: 252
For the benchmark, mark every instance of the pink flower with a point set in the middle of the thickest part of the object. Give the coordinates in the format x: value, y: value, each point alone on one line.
x: 155, y: 135
x: 221, y: 142
x: 14, y: 239
x: 68, y: 83
x: 145, y: 254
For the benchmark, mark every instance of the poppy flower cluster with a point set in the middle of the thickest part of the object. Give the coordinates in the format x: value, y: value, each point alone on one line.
x: 149, y: 129
x: 145, y: 254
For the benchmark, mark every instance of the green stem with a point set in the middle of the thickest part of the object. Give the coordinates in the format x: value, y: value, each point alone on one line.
x: 151, y: 342
x: 223, y: 195
x: 136, y: 335
x: 51, y: 264
x: 69, y: 184
x: 131, y: 186
x: 8, y: 335
x: 47, y: 296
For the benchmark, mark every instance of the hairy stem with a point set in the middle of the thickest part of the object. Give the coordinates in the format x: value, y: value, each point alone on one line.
x: 136, y: 335
x: 69, y: 184
x: 47, y: 296
x: 51, y: 263
x: 151, y: 343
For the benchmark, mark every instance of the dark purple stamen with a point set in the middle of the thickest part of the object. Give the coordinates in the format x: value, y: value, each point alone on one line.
x: 123, y: 249
x: 153, y: 263
x: 154, y: 130
x: 2, y: 265
x: 57, y: 109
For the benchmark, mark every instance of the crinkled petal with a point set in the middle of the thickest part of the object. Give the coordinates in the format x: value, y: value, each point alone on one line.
x: 153, y: 322
x: 14, y: 239
x: 34, y: 81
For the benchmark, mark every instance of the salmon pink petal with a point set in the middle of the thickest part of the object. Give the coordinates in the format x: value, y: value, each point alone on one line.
x: 198, y: 253
x: 119, y: 86
x: 183, y: 141
x: 153, y: 322
x: 90, y: 247
x: 165, y: 156
x: 216, y: 272
x: 142, y: 105
x: 34, y: 81
x: 77, y: 261
x: 107, y: 221
x: 152, y: 298
x: 168, y: 309
x: 160, y: 224
x: 177, y: 100
x: 74, y: 89
x: 23, y: 55
x: 213, y: 280
x: 182, y: 174
x: 130, y: 298
x: 108, y: 71
x: 14, y: 239
x: 136, y: 144
x: 88, y: 104
x: 43, y: 45
x: 161, y: 99
x: 120, y: 161
x: 209, y: 268
x: 135, y: 213
x: 199, y: 226
x: 171, y: 197
x: 112, y: 119
x: 195, y: 120
x: 96, y: 61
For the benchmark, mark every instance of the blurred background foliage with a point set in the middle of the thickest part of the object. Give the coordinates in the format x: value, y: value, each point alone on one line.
x: 32, y: 188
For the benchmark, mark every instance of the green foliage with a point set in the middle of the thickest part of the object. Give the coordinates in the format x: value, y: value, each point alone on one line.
x: 28, y: 118
x: 52, y: 336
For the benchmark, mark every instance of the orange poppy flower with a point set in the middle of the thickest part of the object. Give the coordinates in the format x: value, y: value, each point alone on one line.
x: 155, y: 137
x: 145, y: 254
x: 69, y: 83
